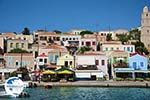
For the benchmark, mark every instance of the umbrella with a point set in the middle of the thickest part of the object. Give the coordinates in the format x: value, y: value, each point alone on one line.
x: 49, y: 72
x: 65, y: 72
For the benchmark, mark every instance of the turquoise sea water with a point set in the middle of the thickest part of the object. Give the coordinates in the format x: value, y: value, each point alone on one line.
x: 86, y: 93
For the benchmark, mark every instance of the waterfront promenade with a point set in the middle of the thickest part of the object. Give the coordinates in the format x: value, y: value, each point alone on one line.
x: 110, y: 83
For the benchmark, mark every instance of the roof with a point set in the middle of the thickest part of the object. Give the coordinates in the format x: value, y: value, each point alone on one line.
x: 18, y: 54
x: 47, y: 33
x: 93, y: 53
x: 42, y: 55
x: 9, y: 34
x: 113, y: 42
x: 53, y: 46
x: 133, y: 54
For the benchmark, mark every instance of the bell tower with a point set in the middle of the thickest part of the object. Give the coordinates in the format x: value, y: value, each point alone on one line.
x: 145, y: 27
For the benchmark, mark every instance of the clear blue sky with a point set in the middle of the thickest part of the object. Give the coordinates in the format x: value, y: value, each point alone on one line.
x: 65, y: 15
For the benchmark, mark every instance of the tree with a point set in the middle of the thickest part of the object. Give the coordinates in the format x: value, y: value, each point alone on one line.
x: 98, y: 46
x: 57, y: 31
x: 18, y: 50
x: 123, y: 38
x: 85, y: 32
x: 140, y: 48
x: 83, y: 49
x: 109, y: 37
x: 135, y: 34
x: 26, y: 31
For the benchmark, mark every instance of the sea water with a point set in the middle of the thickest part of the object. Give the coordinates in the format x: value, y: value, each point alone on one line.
x: 85, y: 93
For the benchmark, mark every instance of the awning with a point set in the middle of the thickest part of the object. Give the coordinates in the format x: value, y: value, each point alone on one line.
x: 49, y: 72
x: 129, y: 70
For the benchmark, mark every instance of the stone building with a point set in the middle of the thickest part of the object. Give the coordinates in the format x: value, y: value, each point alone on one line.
x: 145, y: 27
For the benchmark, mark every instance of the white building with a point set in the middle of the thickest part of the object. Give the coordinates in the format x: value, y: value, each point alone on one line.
x: 70, y: 39
x: 114, y: 33
x: 41, y: 61
x: 89, y: 42
x: 94, y: 61
x: 117, y: 46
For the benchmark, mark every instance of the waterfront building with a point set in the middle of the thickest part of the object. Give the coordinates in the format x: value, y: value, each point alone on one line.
x: 145, y: 27
x: 17, y: 60
x: 117, y: 59
x: 90, y: 64
x: 41, y: 61
x: 17, y: 43
x: 137, y: 67
x: 138, y: 62
x: 66, y: 60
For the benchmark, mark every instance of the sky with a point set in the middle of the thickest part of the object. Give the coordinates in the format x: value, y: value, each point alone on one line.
x: 64, y: 15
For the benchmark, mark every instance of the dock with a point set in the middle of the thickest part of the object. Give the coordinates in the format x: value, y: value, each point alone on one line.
x: 138, y: 84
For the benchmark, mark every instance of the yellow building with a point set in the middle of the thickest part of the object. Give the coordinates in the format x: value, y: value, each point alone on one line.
x: 66, y: 61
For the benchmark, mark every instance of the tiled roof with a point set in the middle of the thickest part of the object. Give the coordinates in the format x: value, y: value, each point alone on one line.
x: 18, y: 54
x: 93, y: 53
x: 9, y: 34
x: 42, y: 55
x: 47, y: 33
x: 133, y: 54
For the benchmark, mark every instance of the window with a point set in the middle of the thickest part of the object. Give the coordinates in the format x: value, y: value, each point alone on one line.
x: 93, y: 43
x: 117, y: 48
x: 146, y: 14
x: 106, y: 49
x: 124, y: 48
x: 147, y: 31
x: 40, y: 60
x: 70, y: 62
x: 82, y: 43
x: 97, y: 62
x: 70, y: 39
x: 17, y: 45
x: 58, y: 38
x: 73, y: 38
x: 11, y: 45
x: 134, y: 65
x: 112, y: 48
x: 103, y: 62
x: 142, y: 64
x: 131, y: 49
x: 22, y: 45
x: 66, y: 38
x: 128, y: 48
x: 88, y: 43
x: 45, y: 60
x: 63, y: 39
x: 17, y: 63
